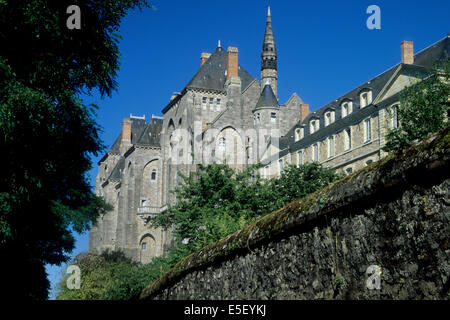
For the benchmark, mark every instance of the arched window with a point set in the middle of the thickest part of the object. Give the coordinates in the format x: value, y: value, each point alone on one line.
x: 313, y: 126
x: 329, y: 117
x: 365, y: 98
x: 297, y: 134
x: 346, y: 108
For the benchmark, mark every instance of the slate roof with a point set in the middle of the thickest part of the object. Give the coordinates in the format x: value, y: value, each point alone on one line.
x: 116, y: 173
x: 422, y: 59
x: 267, y: 99
x: 152, y: 133
x: 212, y: 74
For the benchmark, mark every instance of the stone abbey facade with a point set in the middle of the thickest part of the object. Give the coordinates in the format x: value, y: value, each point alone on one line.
x: 224, y: 115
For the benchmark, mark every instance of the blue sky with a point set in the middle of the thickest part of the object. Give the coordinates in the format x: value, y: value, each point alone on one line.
x: 324, y: 50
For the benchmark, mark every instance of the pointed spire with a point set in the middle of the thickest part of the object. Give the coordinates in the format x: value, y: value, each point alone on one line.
x: 218, y: 44
x: 269, y: 52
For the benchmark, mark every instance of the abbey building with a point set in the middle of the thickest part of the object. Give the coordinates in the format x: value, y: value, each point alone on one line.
x: 225, y: 115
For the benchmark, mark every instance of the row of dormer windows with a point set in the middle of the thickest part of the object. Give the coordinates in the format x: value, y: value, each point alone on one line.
x: 330, y: 115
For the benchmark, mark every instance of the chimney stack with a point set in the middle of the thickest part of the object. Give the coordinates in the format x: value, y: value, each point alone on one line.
x: 304, y: 111
x: 205, y: 56
x: 232, y: 69
x: 126, y: 131
x: 407, y: 52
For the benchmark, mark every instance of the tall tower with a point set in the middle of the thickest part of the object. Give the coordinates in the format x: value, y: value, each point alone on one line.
x: 269, y: 57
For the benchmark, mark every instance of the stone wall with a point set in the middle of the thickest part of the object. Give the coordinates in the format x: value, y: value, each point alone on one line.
x: 393, y: 214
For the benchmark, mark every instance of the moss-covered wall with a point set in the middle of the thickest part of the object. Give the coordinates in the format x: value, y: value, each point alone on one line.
x: 393, y: 214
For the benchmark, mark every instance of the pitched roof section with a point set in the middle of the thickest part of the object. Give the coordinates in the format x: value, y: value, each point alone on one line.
x: 116, y: 173
x: 152, y: 133
x: 424, y: 58
x: 267, y: 99
x: 212, y: 76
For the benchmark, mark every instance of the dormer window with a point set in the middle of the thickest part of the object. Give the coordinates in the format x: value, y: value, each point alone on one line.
x: 313, y: 126
x: 365, y: 98
x: 346, y: 108
x: 329, y: 117
x: 298, y: 134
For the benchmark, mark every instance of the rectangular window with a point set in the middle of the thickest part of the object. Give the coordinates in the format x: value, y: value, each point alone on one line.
x: 367, y: 130
x: 395, y: 117
x: 211, y: 103
x: 218, y: 106
x: 204, y: 103
x: 316, y: 152
x: 347, y: 139
x: 273, y: 117
x: 299, y: 158
x: 144, y: 245
x: 331, y: 147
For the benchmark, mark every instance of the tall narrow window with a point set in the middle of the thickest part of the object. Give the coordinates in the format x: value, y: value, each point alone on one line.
x: 204, y: 99
x: 367, y: 130
x: 273, y: 117
x: 280, y: 165
x: 316, y: 152
x: 218, y: 106
x: 327, y: 118
x: 153, y: 176
x: 365, y: 98
x: 347, y: 139
x: 299, y: 158
x: 211, y: 104
x: 330, y: 149
x: 222, y: 145
x: 395, y: 117
x: 344, y: 110
x: 297, y: 134
x: 313, y: 126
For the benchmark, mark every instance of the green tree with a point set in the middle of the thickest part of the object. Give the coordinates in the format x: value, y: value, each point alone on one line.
x: 111, y: 276
x: 297, y: 182
x: 217, y: 201
x: 423, y: 109
x: 47, y: 134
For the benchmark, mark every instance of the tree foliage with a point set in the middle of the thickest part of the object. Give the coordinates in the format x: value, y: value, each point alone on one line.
x: 217, y: 201
x: 423, y: 109
x: 110, y: 276
x: 47, y: 134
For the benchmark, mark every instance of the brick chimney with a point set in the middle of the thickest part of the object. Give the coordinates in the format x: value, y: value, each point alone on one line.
x: 126, y: 131
x: 232, y: 69
x: 304, y: 111
x: 407, y: 52
x: 205, y: 56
